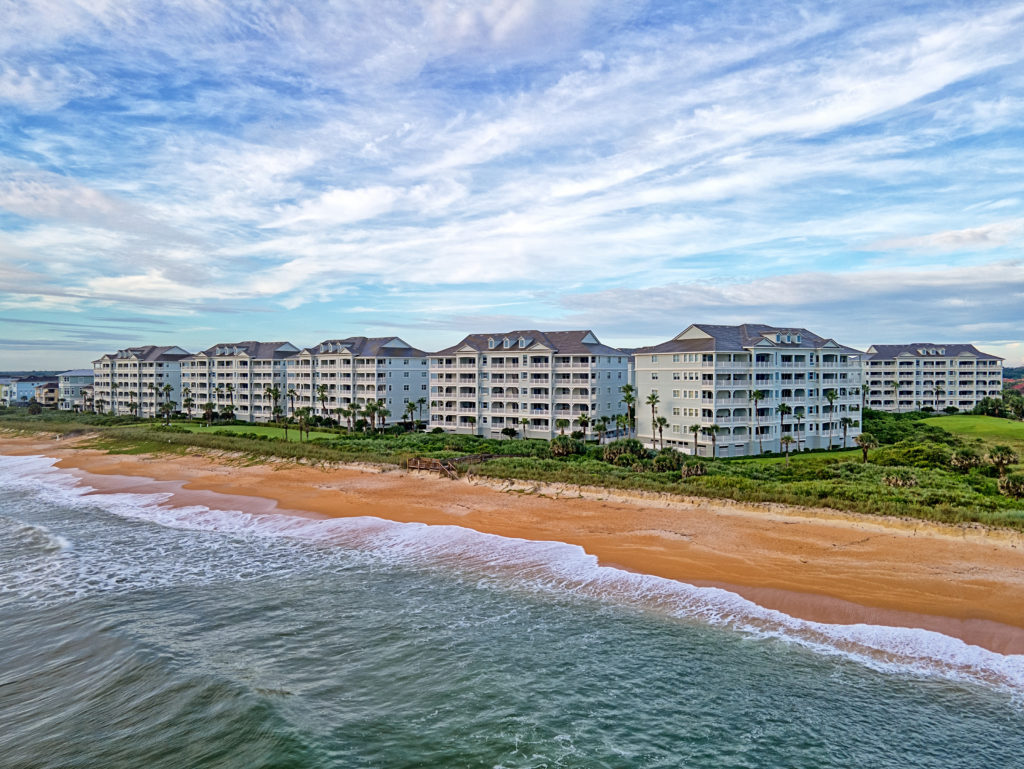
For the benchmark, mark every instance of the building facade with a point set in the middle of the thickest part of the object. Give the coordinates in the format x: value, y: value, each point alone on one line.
x: 133, y: 380
x: 906, y: 377
x: 20, y: 391
x: 238, y: 377
x: 70, y: 385
x: 705, y: 378
x: 47, y: 393
x: 525, y: 380
x: 341, y: 373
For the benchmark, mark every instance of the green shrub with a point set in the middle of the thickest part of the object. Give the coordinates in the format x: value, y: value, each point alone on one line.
x: 564, y: 446
x: 965, y: 459
x: 624, y: 447
x: 1012, y: 485
x: 899, y: 478
x: 909, y: 454
x: 668, y: 460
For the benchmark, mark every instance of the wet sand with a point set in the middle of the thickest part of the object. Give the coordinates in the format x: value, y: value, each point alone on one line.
x: 821, y: 565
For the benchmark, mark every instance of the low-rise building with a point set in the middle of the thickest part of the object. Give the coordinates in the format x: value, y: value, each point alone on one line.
x: 706, y: 379
x: 71, y: 384
x: 20, y: 391
x: 529, y: 381
x: 47, y: 393
x: 340, y: 373
x: 239, y: 377
x: 135, y: 380
x: 905, y: 377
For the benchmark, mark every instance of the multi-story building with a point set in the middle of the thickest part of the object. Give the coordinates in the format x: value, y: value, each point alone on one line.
x: 20, y: 391
x: 526, y: 380
x: 47, y: 393
x: 705, y: 377
x: 905, y: 377
x: 356, y: 371
x: 127, y: 382
x: 238, y: 376
x: 71, y: 384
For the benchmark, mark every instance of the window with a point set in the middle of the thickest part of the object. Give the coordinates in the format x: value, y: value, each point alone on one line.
x: 490, y: 344
x: 654, y: 375
x: 654, y: 359
x: 405, y: 387
x: 676, y: 393
x: 675, y: 375
x: 675, y: 411
x: 675, y: 358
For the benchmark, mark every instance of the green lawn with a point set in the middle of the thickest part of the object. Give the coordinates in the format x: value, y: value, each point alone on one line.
x: 274, y: 432
x: 990, y: 430
x: 844, y: 455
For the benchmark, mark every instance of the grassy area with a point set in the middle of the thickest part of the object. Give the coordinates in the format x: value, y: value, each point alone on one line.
x: 803, y: 458
x: 271, y: 432
x: 990, y: 430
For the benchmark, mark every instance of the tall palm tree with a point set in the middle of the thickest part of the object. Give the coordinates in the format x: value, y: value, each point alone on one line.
x: 622, y: 422
x: 653, y: 400
x: 274, y: 393
x: 410, y: 409
x: 584, y: 422
x: 231, y: 395
x: 419, y: 407
x: 799, y: 417
x: 847, y: 423
x: 133, y: 406
x: 602, y: 427
x: 321, y: 395
x: 525, y: 423
x: 783, y: 410
x: 113, y: 396
x: 757, y: 396
x: 695, y: 429
x: 208, y: 410
x: 830, y: 396
x: 154, y: 392
x: 713, y: 430
x: 629, y: 398
x: 940, y: 392
x: 786, y: 441
x: 292, y: 395
x: 865, y: 441
x: 186, y: 400
x: 661, y: 423
x: 894, y: 385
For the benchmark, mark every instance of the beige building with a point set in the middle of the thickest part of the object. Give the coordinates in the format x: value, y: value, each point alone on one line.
x: 706, y: 375
x: 128, y: 377
x: 905, y: 377
x: 236, y: 376
x: 356, y: 371
x: 489, y: 382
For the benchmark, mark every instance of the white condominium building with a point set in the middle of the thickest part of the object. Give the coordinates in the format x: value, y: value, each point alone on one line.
x: 905, y: 377
x: 339, y: 373
x: 237, y: 376
x: 526, y: 380
x: 706, y: 375
x: 132, y: 381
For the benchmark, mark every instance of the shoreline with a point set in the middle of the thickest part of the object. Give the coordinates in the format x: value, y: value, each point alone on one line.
x: 818, y: 565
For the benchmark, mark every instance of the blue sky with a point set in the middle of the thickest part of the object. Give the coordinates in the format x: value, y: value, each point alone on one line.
x: 216, y: 172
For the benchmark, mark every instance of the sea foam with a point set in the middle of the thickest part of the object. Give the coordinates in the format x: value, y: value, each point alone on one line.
x: 555, y: 568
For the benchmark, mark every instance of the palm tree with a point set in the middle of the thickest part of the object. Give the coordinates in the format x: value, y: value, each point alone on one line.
x: 830, y: 396
x: 695, y: 429
x: 219, y: 391
x: 602, y: 428
x: 799, y: 417
x: 154, y: 392
x: 561, y: 424
x: 231, y: 397
x: 321, y: 395
x: 661, y: 423
x: 208, y: 409
x: 98, y: 404
x: 419, y: 407
x: 113, y: 396
x: 525, y: 423
x: 167, y: 390
x: 713, y: 430
x: 274, y: 393
x: 1002, y: 457
x: 302, y: 415
x: 292, y: 395
x: 629, y: 398
x: 847, y: 423
x: 339, y: 412
x: 166, y: 409
x: 787, y: 441
x: 894, y: 385
x: 865, y: 441
x: 584, y: 422
x: 133, y: 406
x: 622, y: 422
x: 186, y: 400
x: 653, y: 400
x: 784, y: 410
x: 383, y: 413
x: 940, y: 392
x: 757, y: 396
x: 410, y: 409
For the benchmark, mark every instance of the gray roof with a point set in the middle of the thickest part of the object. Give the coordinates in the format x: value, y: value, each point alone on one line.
x: 919, y: 350
x: 77, y: 372
x: 149, y: 353
x: 253, y: 349
x: 742, y: 337
x: 560, y: 342
x: 367, y: 347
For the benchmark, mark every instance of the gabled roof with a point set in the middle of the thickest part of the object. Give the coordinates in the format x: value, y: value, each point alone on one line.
x: 252, y: 349
x: 556, y: 342
x: 367, y: 347
x: 77, y: 372
x: 147, y: 353
x: 706, y: 337
x: 926, y: 350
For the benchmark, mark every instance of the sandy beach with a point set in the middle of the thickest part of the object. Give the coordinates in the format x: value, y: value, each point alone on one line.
x: 819, y: 565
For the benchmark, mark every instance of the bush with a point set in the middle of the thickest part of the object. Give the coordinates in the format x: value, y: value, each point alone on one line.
x: 1012, y: 485
x: 624, y: 447
x: 908, y: 454
x: 34, y: 408
x: 693, y: 468
x: 668, y: 460
x: 900, y: 478
x: 437, y: 430
x: 965, y: 459
x: 564, y: 446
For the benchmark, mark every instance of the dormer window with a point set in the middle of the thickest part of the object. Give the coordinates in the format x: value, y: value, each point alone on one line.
x: 789, y: 338
x: 798, y: 339
x: 507, y: 343
x: 490, y: 344
x: 778, y: 337
x: 522, y: 342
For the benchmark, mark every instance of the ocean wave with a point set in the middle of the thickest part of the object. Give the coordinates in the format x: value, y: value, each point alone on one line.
x: 556, y: 568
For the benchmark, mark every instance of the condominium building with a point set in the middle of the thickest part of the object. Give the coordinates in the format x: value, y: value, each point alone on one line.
x: 905, y: 377
x: 47, y: 393
x: 71, y: 384
x: 338, y: 373
x: 20, y: 391
x: 238, y: 377
x: 132, y: 381
x: 526, y: 380
x: 706, y: 376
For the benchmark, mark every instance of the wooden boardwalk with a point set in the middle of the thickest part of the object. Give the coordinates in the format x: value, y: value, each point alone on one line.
x: 449, y: 467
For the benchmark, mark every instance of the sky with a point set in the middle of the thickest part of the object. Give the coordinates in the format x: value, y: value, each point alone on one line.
x: 205, y: 172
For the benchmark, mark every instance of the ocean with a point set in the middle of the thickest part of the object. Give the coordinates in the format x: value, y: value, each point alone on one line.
x: 137, y: 635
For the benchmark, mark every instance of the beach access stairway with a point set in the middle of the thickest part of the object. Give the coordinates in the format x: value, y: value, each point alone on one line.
x: 449, y: 467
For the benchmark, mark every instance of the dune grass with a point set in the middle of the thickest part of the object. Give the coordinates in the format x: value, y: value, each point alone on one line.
x: 269, y: 431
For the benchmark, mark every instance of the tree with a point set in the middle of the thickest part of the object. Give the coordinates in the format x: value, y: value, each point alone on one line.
x: 274, y: 393
x: 167, y: 390
x: 713, y: 431
x: 601, y: 427
x: 166, y: 409
x: 208, y: 412
x: 629, y: 398
x: 847, y: 423
x: 154, y: 392
x: 228, y: 412
x: 940, y: 393
x: 653, y: 400
x: 303, y: 414
x: 113, y: 396
x: 757, y: 396
x: 622, y: 422
x: 509, y: 432
x: 894, y: 385
x: 292, y: 395
x: 525, y: 424
x: 695, y: 429
x: 1002, y: 457
x: 865, y: 441
x: 410, y: 409
x: 784, y: 411
x: 799, y: 417
x: 661, y: 423
x: 584, y: 422
x: 419, y: 407
x: 384, y: 413
x: 187, y: 401
x: 321, y: 395
x: 231, y: 398
x: 133, y: 407
x: 830, y: 396
x: 787, y: 441
x: 561, y: 424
